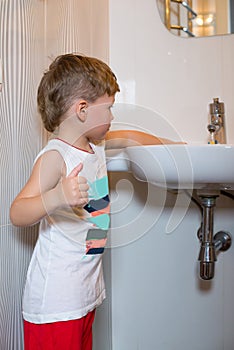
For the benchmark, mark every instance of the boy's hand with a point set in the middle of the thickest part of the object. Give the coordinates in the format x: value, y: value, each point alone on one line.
x: 73, y: 189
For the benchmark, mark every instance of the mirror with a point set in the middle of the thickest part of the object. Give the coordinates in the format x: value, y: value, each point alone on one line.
x: 197, y: 18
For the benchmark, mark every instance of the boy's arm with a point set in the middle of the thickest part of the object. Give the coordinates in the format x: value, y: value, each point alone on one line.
x: 127, y: 138
x: 47, y: 190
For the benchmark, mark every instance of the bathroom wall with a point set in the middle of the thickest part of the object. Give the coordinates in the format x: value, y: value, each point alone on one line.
x: 21, y: 48
x: 175, y: 77
x: 158, y: 300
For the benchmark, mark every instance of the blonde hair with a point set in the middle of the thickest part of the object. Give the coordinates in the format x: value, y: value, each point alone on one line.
x: 71, y: 77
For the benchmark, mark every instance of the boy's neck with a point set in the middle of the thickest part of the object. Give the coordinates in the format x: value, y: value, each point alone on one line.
x: 70, y: 132
x: 80, y: 142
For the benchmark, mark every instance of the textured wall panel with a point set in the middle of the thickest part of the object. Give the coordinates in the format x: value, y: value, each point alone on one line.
x: 70, y: 29
x: 16, y: 246
x: 21, y: 51
x: 32, y: 32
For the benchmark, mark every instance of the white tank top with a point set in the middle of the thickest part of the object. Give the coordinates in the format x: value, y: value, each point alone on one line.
x: 65, y: 276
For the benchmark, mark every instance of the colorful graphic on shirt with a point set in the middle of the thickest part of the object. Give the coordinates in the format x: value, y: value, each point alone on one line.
x: 96, y: 241
x: 99, y: 210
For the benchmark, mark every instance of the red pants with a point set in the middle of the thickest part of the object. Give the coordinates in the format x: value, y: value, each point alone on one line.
x: 65, y: 335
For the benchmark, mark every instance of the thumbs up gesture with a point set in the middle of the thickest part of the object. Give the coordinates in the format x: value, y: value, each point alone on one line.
x: 74, y: 188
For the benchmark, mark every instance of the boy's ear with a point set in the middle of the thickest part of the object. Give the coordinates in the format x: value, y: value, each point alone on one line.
x: 81, y: 111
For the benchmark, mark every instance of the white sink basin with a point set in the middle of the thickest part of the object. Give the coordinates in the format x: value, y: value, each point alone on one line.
x: 178, y: 166
x: 184, y: 166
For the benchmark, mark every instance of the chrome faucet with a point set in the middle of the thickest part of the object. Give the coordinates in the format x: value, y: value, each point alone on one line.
x: 217, y: 123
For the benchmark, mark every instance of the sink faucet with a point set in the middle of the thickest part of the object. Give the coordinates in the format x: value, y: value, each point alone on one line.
x: 217, y: 123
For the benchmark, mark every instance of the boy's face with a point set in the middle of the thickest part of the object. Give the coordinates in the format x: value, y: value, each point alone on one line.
x: 99, y: 117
